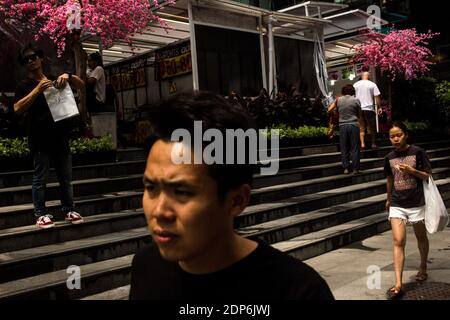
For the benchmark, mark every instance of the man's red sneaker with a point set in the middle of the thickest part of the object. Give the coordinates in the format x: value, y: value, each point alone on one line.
x: 45, y: 222
x: 74, y: 217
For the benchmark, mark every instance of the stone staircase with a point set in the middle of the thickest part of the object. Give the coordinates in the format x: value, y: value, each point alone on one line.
x: 308, y: 208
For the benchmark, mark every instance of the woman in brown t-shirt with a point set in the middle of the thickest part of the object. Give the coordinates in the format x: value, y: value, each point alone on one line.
x: 405, y: 168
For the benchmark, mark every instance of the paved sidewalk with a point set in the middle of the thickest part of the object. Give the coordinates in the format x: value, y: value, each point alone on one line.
x: 347, y: 274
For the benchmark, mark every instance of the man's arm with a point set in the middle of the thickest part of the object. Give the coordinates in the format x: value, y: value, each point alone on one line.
x: 332, y: 107
x: 24, y: 103
x: 91, y: 81
x: 378, y: 105
x: 389, y: 187
x: 72, y: 78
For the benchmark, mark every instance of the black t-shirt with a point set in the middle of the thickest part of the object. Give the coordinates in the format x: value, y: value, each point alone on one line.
x: 43, y: 132
x: 408, y: 189
x: 265, y: 274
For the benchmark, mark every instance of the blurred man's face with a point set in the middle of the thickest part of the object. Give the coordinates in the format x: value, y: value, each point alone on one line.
x: 31, y: 60
x: 182, y: 208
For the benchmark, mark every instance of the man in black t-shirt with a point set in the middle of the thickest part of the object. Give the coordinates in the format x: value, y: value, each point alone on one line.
x: 48, y: 140
x: 190, y: 208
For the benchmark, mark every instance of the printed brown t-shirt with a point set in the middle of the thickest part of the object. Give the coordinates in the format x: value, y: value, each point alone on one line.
x: 408, y: 189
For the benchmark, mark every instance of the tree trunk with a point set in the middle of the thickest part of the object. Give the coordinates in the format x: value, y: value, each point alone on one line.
x: 390, y: 98
x: 81, y: 64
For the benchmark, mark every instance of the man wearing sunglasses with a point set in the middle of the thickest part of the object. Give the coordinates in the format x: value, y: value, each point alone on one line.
x: 48, y: 140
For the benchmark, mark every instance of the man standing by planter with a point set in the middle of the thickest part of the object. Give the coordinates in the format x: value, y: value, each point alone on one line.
x: 368, y: 94
x: 48, y: 140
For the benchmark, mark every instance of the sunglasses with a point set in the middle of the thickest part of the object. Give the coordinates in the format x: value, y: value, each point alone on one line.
x: 31, y: 57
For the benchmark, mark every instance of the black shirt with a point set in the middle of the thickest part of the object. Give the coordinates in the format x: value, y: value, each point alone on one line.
x: 265, y: 274
x: 43, y: 132
x: 408, y: 189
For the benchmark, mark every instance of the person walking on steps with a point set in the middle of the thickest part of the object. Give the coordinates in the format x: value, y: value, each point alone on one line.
x: 405, y: 168
x: 349, y: 112
x: 48, y: 140
x: 368, y: 94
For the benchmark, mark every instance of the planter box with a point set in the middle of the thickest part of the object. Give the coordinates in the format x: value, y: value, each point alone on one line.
x: 22, y: 164
x: 15, y: 164
x: 295, y: 142
x: 93, y: 158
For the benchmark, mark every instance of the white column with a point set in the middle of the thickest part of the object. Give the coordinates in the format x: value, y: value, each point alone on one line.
x: 272, y: 75
x: 195, y: 83
x: 263, y: 56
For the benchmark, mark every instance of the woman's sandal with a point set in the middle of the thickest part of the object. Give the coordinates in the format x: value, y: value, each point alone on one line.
x: 394, y: 293
x: 421, y: 276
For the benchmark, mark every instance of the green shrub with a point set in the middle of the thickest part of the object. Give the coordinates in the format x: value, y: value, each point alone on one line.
x: 286, y: 132
x: 85, y: 145
x: 14, y: 148
x: 443, y: 97
x: 18, y: 147
x: 415, y: 127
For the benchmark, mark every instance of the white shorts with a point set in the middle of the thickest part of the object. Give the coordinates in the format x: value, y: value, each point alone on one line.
x: 411, y: 215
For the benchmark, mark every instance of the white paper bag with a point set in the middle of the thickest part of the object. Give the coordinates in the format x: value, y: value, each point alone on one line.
x: 436, y: 215
x: 61, y: 102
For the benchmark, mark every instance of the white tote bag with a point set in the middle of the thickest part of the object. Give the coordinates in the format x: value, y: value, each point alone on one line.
x: 436, y: 215
x: 61, y: 102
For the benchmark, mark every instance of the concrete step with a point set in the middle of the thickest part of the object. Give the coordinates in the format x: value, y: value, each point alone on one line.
x: 114, y: 169
x: 24, y: 240
x: 286, y: 190
x: 43, y: 259
x: 22, y: 214
x: 102, y: 279
x: 130, y: 154
x: 121, y: 293
x: 269, y: 211
x: 315, y: 243
x: 110, y: 279
x: 95, y: 277
x: 22, y: 195
x: 300, y: 224
x: 293, y: 158
x: 30, y: 236
x: 328, y: 169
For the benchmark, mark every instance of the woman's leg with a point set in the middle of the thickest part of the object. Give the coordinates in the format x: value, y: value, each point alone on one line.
x: 355, y: 148
x: 345, y: 146
x: 423, y: 244
x: 399, y: 241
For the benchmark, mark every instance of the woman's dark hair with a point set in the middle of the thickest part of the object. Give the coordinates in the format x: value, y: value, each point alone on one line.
x: 30, y: 47
x: 97, y: 58
x: 348, y: 90
x: 400, y: 125
x: 180, y: 112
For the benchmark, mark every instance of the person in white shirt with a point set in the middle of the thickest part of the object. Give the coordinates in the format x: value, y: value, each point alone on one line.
x: 96, y: 83
x: 368, y: 94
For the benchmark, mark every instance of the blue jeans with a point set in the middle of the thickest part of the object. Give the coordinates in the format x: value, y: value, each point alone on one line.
x: 350, y: 146
x: 62, y: 162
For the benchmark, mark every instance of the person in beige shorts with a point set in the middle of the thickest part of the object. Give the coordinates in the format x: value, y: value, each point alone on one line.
x: 368, y: 94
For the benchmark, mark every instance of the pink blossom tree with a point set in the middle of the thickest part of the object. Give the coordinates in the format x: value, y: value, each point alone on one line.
x: 400, y: 53
x: 62, y: 20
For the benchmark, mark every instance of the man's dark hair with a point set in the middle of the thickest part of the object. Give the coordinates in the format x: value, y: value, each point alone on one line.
x: 348, y: 89
x: 30, y: 47
x: 180, y: 112
x: 97, y: 58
